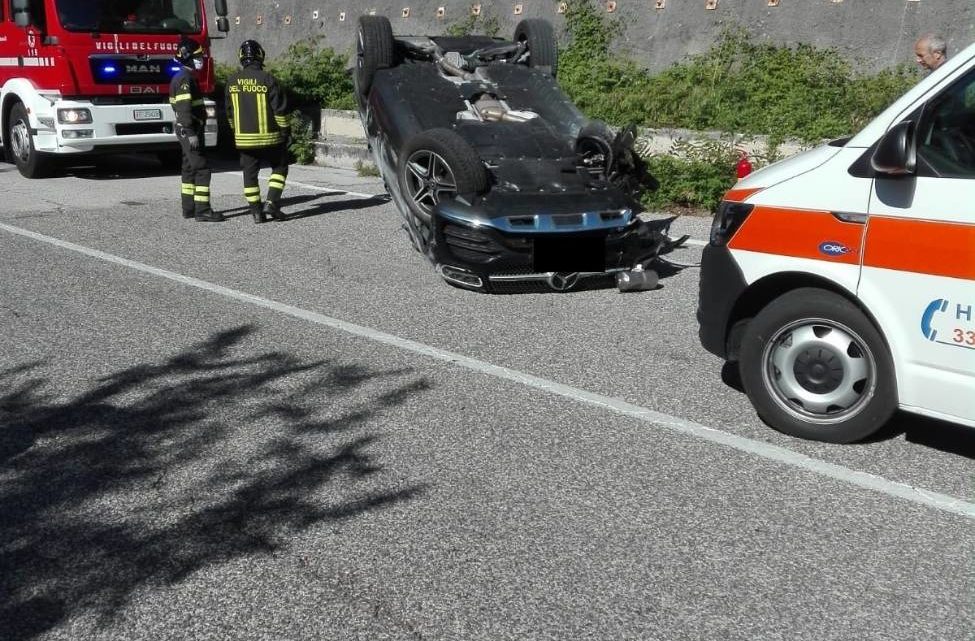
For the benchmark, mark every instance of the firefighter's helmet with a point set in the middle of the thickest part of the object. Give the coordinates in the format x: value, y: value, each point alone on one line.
x: 188, y: 50
x: 250, y: 52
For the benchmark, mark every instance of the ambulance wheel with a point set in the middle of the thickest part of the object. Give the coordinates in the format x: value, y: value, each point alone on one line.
x: 30, y: 162
x: 815, y: 367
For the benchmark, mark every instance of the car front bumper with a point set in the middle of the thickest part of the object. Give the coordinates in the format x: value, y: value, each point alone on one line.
x: 483, y: 258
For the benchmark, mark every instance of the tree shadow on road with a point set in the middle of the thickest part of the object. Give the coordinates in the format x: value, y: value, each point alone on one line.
x: 164, y: 469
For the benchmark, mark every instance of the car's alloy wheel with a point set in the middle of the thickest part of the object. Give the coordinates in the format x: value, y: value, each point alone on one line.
x: 815, y: 367
x: 436, y: 165
x: 429, y: 180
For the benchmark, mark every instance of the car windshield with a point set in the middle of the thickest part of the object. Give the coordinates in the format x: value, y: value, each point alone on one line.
x: 131, y: 16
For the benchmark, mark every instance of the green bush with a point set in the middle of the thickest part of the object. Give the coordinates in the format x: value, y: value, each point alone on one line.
x: 302, y: 145
x: 315, y: 75
x: 739, y: 85
x: 482, y: 24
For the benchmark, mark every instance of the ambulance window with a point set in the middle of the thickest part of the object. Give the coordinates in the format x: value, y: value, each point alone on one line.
x: 946, y: 133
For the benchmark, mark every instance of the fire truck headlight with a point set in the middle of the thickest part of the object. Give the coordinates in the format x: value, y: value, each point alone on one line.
x: 74, y: 116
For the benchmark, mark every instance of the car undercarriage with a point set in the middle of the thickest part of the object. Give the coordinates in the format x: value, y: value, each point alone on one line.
x: 501, y: 180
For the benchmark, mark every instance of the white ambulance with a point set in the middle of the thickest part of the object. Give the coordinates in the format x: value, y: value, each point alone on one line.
x: 842, y: 280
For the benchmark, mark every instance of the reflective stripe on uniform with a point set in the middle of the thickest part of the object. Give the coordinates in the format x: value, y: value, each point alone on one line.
x: 262, y: 113
x: 234, y: 98
x: 188, y: 189
x: 202, y: 194
x: 282, y: 121
x: 259, y: 140
x: 181, y: 97
x: 276, y: 180
x: 252, y: 194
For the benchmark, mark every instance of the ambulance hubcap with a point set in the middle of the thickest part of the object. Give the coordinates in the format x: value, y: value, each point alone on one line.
x: 819, y: 371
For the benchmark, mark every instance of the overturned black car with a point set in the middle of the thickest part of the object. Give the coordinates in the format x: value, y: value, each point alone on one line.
x: 500, y: 178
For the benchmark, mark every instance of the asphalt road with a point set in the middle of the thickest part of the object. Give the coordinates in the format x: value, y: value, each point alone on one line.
x: 298, y: 431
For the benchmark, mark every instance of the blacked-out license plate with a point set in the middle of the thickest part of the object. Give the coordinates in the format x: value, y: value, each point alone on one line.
x: 570, y: 254
x: 147, y: 114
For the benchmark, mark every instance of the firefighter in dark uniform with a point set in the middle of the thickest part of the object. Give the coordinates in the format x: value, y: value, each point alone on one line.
x: 257, y: 109
x: 187, y: 102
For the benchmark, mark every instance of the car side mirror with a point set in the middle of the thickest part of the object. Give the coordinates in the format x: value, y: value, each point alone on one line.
x: 221, y: 7
x: 896, y: 153
x: 223, y: 25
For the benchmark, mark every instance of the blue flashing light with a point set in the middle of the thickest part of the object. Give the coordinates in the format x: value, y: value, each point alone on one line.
x: 175, y: 68
x: 109, y: 69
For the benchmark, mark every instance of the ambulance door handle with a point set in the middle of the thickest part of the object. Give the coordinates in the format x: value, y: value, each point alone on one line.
x: 849, y: 217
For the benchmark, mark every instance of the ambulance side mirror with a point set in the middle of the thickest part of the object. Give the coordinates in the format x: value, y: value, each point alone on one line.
x: 896, y: 153
x: 221, y: 7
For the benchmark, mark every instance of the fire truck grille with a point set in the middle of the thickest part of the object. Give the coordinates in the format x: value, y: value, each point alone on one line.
x: 128, y: 70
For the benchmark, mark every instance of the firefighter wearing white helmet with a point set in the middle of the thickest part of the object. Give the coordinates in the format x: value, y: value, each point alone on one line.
x: 187, y: 101
x: 257, y: 108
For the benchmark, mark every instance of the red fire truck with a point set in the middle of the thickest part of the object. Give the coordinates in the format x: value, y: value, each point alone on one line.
x: 92, y: 76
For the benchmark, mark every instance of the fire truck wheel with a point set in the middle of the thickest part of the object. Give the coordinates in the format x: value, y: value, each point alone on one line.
x: 814, y: 366
x: 30, y: 162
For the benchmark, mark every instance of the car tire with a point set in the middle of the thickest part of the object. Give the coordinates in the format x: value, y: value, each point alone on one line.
x: 543, y: 48
x: 595, y: 138
x: 20, y: 145
x: 374, y: 48
x: 438, y: 164
x: 815, y: 367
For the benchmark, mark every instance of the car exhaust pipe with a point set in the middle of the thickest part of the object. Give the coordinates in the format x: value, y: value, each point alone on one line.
x: 637, y: 280
x: 461, y: 277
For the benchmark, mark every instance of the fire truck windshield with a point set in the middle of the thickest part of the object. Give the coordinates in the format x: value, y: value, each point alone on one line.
x: 130, y: 16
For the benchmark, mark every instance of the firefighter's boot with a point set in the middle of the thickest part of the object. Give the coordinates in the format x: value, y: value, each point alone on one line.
x: 271, y: 209
x: 258, y: 213
x: 203, y: 213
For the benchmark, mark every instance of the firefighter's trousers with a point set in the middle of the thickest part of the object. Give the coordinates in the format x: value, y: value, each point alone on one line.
x: 196, y: 181
x: 251, y: 161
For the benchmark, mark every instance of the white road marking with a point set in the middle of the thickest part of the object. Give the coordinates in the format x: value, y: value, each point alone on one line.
x: 327, y: 190
x: 943, y: 502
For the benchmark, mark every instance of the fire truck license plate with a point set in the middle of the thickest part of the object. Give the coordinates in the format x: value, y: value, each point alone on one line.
x: 147, y: 114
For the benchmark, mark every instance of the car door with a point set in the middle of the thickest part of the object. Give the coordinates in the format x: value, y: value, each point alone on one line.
x: 918, y: 273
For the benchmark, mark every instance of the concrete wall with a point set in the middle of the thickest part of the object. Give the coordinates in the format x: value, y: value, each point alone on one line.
x: 877, y: 33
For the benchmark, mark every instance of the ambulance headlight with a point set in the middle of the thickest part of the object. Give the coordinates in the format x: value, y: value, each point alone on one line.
x: 727, y: 220
x: 74, y: 116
